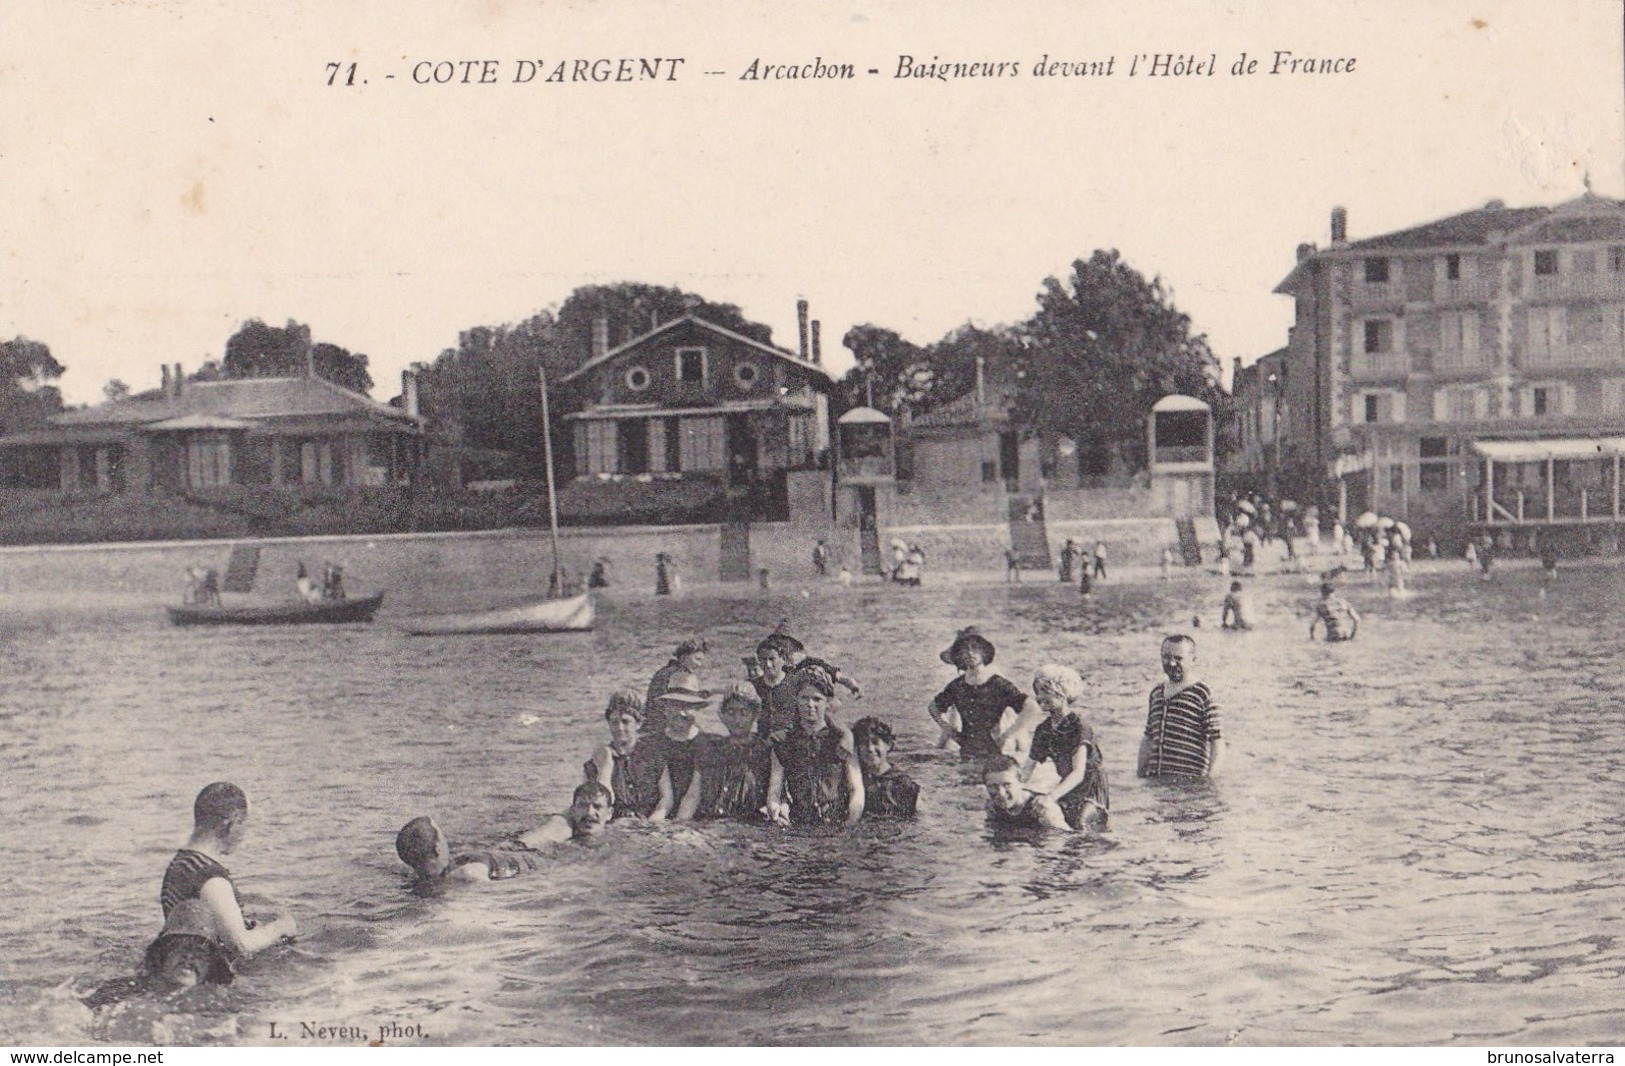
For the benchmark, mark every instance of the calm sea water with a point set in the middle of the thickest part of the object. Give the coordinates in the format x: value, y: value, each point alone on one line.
x: 1417, y: 838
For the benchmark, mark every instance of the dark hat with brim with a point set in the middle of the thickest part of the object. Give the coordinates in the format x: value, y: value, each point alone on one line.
x: 970, y: 636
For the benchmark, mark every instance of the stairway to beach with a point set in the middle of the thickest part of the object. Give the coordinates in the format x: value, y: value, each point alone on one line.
x: 242, y: 568
x: 1028, y: 537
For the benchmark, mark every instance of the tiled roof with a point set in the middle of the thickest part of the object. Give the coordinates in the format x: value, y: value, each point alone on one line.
x: 1467, y: 228
x: 1575, y: 229
x: 245, y: 398
x: 816, y: 369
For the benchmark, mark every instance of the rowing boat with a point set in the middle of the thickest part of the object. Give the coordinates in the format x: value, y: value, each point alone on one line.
x: 295, y: 612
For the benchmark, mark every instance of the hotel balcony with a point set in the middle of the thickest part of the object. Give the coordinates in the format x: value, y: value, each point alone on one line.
x: 1377, y: 368
x: 1365, y: 295
x: 1574, y: 286
x: 1574, y: 357
x: 1463, y: 290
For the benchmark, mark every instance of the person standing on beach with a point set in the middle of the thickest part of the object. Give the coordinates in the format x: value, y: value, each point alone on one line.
x: 1182, y: 734
x: 1100, y: 559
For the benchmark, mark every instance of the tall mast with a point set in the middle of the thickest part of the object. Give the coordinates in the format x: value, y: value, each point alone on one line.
x: 556, y: 585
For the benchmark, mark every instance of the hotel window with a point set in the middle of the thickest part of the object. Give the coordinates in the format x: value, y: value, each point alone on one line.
x: 1458, y: 336
x: 1396, y: 478
x: 1378, y: 336
x: 1452, y: 266
x: 1381, y: 406
x: 1433, y: 477
x: 1376, y: 271
x: 1540, y: 402
x: 1546, y: 333
x: 691, y: 367
x: 1616, y: 259
x: 1546, y: 261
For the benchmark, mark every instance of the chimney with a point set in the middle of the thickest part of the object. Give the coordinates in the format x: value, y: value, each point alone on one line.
x: 817, y: 348
x: 164, y: 379
x: 1305, y: 250
x: 801, y: 326
x: 409, y: 392
x: 176, y: 379
x: 1340, y: 225
x: 1235, y: 374
x: 600, y: 336
x: 981, y: 381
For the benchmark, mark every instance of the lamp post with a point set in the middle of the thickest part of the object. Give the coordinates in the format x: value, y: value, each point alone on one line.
x: 1275, y: 384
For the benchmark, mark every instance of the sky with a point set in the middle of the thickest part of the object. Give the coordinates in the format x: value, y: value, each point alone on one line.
x: 172, y: 168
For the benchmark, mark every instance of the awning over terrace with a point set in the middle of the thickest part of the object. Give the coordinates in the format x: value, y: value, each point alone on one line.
x: 1540, y: 450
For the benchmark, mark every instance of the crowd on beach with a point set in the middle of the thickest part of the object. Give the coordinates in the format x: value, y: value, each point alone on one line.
x: 788, y: 758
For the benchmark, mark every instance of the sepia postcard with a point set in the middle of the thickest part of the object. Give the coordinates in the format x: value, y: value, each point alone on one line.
x: 640, y: 524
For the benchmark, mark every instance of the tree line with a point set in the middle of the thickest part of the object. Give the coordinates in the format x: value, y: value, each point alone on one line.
x: 1103, y: 345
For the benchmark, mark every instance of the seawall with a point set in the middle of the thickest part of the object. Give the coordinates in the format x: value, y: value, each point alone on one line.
x: 426, y: 572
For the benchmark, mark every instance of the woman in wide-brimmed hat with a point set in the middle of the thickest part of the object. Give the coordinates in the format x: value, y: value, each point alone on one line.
x: 689, y: 658
x: 680, y: 743
x: 979, y: 707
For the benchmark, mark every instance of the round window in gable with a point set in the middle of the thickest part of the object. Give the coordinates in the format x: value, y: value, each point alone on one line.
x: 745, y: 375
x: 637, y: 379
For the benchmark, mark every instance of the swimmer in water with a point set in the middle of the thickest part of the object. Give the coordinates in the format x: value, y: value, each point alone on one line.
x: 1233, y: 615
x: 978, y: 710
x: 1182, y: 736
x: 422, y: 846
x: 629, y: 769
x: 814, y: 778
x: 734, y: 770
x: 887, y: 791
x: 1067, y: 742
x: 1340, y: 619
x: 204, y: 926
x: 1011, y: 804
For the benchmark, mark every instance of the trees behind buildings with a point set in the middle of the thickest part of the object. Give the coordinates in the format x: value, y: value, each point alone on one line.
x: 257, y: 350
x: 28, y: 391
x: 484, y: 394
x: 1104, y: 345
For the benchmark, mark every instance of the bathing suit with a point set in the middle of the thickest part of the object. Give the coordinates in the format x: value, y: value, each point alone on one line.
x: 188, y: 872
x: 892, y: 794
x: 1179, y: 729
x: 814, y: 776
x: 980, y: 707
x: 1025, y: 818
x: 634, y: 779
x: 509, y: 859
x: 733, y: 778
x: 188, y: 952
x: 1060, y: 745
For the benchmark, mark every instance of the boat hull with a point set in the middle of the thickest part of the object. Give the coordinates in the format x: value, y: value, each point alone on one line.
x: 326, y: 612
x: 573, y: 614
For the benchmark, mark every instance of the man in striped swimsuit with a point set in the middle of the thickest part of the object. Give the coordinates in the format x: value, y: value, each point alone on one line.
x: 1182, y: 736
